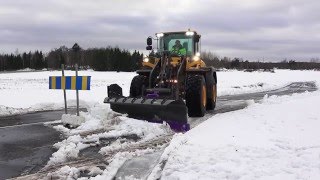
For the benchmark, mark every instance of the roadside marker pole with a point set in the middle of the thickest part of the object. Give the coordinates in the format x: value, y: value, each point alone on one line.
x: 77, y: 91
x: 64, y: 92
x: 70, y: 83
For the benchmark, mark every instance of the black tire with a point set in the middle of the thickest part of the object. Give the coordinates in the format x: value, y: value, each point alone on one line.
x: 138, y: 86
x: 195, y: 92
x: 211, y: 101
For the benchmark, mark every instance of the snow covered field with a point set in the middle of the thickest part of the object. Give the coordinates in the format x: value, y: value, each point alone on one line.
x: 28, y: 91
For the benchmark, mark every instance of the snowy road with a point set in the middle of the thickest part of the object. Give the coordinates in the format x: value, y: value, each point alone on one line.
x: 25, y: 144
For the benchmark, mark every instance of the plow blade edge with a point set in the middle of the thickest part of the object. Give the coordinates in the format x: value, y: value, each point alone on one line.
x: 174, y: 112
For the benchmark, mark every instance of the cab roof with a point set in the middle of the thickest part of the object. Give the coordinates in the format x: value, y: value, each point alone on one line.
x: 177, y: 32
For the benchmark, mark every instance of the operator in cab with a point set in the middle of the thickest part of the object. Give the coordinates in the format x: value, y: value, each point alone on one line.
x: 178, y: 48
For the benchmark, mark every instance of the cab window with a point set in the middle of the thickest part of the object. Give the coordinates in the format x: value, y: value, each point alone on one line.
x: 169, y: 41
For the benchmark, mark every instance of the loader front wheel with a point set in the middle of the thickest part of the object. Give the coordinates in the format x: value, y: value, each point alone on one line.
x: 138, y: 86
x: 196, y: 95
x: 211, y: 102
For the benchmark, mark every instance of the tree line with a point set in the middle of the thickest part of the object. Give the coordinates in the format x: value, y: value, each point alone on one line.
x: 212, y: 59
x: 98, y: 59
x: 33, y: 60
x: 116, y: 59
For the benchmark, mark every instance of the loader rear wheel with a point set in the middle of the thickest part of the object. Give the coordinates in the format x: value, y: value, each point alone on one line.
x: 138, y: 86
x: 196, y: 95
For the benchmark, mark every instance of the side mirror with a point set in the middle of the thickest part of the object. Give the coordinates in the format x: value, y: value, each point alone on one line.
x: 149, y: 41
x: 197, y: 38
x: 149, y: 48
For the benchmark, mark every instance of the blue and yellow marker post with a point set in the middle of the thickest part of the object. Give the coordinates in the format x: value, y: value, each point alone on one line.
x: 70, y: 83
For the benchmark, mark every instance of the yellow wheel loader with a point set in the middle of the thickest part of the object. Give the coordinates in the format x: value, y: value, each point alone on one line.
x: 173, y: 83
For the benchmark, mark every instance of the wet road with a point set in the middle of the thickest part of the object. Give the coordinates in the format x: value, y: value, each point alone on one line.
x: 25, y: 149
x: 26, y: 144
x: 30, y: 118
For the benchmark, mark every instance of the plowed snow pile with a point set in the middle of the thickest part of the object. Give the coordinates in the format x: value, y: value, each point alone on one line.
x: 277, y: 139
x: 102, y: 123
x: 103, y: 132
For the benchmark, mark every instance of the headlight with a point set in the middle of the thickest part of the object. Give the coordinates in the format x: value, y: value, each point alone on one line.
x: 196, y: 58
x: 159, y: 35
x: 189, y: 33
x: 146, y: 59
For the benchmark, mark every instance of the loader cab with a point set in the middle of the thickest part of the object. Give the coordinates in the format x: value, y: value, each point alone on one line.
x: 189, y: 42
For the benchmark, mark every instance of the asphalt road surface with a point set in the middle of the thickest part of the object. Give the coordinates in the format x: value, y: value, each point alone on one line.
x: 26, y: 144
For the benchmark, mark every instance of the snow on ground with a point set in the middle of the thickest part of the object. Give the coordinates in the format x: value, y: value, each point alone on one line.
x: 27, y: 70
x: 29, y: 91
x: 111, y: 133
x: 237, y: 82
x: 101, y: 124
x: 276, y: 139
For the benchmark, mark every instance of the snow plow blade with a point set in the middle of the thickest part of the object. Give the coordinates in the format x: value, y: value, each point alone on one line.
x: 173, y: 112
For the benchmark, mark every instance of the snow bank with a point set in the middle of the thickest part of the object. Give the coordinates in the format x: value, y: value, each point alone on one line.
x: 27, y: 70
x: 100, y: 122
x: 68, y: 149
x: 72, y: 120
x: 278, y: 139
x: 66, y: 172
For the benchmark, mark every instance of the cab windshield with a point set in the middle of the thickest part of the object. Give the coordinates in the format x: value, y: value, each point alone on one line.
x: 177, y: 43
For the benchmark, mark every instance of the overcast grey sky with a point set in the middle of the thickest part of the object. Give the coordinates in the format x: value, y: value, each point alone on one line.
x: 251, y: 29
